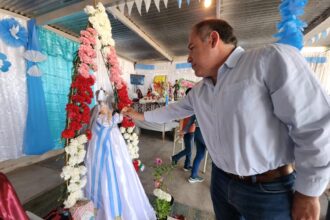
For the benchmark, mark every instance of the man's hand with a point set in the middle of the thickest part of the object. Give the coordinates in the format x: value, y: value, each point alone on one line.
x: 130, y: 112
x: 305, y: 207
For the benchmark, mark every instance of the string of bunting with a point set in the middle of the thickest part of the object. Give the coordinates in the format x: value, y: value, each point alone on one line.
x: 147, y: 3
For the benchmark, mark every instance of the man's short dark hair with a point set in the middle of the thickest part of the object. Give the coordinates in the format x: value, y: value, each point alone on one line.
x: 225, y: 31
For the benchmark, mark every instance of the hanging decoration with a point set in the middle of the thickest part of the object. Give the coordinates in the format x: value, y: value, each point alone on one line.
x: 4, y: 63
x: 12, y: 32
x: 157, y: 4
x: 147, y: 4
x: 78, y: 115
x: 321, y: 35
x: 179, y: 3
x: 34, y: 57
x: 290, y: 29
x: 97, y: 16
x: 37, y: 136
x: 130, y: 6
x: 73, y: 172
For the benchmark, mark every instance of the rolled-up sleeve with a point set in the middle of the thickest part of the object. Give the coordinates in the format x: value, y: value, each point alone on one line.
x: 301, y: 103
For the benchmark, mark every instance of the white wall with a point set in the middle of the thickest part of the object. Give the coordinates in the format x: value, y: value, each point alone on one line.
x: 165, y: 69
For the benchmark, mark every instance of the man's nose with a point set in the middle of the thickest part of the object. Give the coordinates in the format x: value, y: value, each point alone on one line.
x: 189, y: 59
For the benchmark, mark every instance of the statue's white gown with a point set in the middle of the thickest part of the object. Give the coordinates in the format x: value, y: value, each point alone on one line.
x: 112, y: 182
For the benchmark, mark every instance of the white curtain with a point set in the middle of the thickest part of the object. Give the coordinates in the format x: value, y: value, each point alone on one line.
x: 322, y: 70
x: 13, y: 96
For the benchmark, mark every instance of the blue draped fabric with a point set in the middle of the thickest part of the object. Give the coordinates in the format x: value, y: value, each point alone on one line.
x: 37, y: 136
x: 57, y: 71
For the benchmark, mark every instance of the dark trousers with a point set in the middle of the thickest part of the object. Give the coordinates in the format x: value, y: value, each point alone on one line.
x: 234, y: 199
x: 188, y: 139
x: 200, y: 152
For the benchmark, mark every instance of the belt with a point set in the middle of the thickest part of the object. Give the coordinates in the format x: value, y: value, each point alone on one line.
x: 265, y: 177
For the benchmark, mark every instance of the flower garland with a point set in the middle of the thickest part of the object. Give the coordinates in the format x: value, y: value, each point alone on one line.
x: 73, y: 172
x: 100, y: 22
x: 78, y: 115
x: 78, y: 111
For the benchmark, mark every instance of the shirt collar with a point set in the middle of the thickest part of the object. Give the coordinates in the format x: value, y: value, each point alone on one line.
x: 229, y: 63
x: 234, y: 57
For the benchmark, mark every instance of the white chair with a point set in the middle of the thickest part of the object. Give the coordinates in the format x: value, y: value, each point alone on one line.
x: 176, y: 140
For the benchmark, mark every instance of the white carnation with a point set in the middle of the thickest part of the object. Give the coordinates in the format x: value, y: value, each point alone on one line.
x: 72, y: 187
x: 135, y: 142
x: 82, y: 139
x: 130, y: 129
x: 83, y: 182
x: 162, y: 195
x: 90, y: 10
x: 66, y: 172
x: 134, y: 135
x: 82, y: 170
x: 69, y: 202
x: 127, y: 136
x: 78, y: 195
x: 122, y: 130
x: 100, y: 7
x: 73, y: 160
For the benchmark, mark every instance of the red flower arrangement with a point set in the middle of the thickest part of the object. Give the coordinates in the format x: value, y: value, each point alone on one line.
x: 81, y: 93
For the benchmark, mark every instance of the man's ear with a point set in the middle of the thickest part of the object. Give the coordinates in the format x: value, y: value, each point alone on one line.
x: 214, y: 38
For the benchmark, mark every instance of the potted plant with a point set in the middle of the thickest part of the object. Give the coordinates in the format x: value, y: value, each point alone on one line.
x: 164, y: 200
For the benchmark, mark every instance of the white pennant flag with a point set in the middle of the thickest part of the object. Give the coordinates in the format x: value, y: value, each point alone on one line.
x: 121, y: 7
x: 130, y: 6
x: 147, y: 3
x: 138, y: 4
x: 165, y: 3
x: 179, y: 3
x: 157, y: 4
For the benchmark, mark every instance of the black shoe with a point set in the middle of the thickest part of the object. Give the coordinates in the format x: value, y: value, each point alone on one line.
x: 174, y: 162
x: 187, y: 168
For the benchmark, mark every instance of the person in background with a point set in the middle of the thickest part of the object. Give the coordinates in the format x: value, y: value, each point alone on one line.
x: 188, y: 138
x: 259, y: 111
x: 200, y: 151
x: 176, y: 87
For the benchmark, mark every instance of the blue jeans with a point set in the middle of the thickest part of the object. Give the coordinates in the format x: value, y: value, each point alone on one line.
x: 188, y: 139
x: 234, y: 199
x: 200, y: 152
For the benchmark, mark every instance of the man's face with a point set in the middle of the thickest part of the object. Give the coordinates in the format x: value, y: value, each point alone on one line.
x: 199, y: 54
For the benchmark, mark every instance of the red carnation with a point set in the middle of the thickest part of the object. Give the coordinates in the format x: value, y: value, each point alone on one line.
x: 68, y: 133
x: 89, y: 134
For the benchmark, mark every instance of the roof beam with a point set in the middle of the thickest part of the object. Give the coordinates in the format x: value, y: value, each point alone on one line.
x: 59, y: 14
x: 128, y: 23
x: 218, y: 9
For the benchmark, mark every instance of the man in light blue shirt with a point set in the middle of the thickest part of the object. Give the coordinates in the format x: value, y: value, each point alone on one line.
x: 259, y: 111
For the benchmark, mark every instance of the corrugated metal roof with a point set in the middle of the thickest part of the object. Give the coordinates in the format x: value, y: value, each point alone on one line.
x: 254, y: 22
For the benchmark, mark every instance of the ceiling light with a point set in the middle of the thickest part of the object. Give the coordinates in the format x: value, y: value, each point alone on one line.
x: 207, y: 3
x: 314, y: 49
